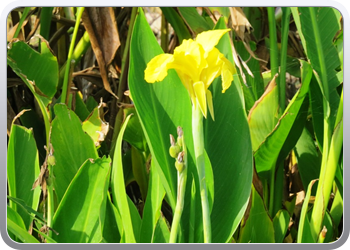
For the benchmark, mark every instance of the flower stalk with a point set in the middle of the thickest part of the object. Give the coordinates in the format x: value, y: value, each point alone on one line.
x: 181, y: 166
x: 198, y: 140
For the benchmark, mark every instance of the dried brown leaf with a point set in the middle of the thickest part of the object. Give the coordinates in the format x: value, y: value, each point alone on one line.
x: 101, y: 26
x: 240, y: 23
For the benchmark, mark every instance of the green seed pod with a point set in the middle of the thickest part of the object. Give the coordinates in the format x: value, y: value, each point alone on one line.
x: 51, y: 160
x: 174, y: 151
x: 179, y: 166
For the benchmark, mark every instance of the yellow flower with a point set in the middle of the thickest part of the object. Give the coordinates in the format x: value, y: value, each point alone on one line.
x: 197, y: 63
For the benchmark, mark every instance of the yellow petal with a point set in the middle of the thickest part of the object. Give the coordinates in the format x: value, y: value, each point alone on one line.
x: 227, y: 74
x: 199, y: 91
x: 210, y: 103
x: 189, y: 59
x: 214, y: 67
x: 157, y: 68
x: 208, y: 39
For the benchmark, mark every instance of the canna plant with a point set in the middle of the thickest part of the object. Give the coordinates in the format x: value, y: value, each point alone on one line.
x: 89, y: 158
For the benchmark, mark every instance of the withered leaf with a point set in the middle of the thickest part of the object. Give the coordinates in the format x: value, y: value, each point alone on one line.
x: 101, y: 25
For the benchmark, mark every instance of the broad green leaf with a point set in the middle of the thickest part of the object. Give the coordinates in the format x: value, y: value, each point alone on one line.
x: 257, y: 226
x: 161, y: 106
x: 151, y: 211
x: 176, y: 22
x: 19, y: 232
x: 227, y: 143
x: 319, y: 26
x: 316, y: 104
x: 72, y: 147
x: 309, y: 159
x: 38, y: 70
x: 267, y: 153
x: 22, y: 170
x: 280, y: 224
x: 255, y: 15
x: 118, y: 188
x: 263, y: 116
x: 196, y: 22
x: 77, y: 218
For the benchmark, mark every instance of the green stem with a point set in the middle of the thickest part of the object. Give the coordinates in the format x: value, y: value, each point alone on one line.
x: 181, y: 178
x: 192, y: 212
x: 70, y: 53
x: 328, y: 169
x: 198, y: 140
x: 45, y: 21
x: 282, y: 76
x: 273, y: 41
x: 181, y: 188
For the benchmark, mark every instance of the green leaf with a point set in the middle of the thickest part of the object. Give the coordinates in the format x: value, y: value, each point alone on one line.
x: 133, y: 132
x: 257, y: 226
x: 280, y: 224
x: 80, y: 108
x: 267, y: 154
x: 161, y: 232
x: 112, y: 228
x: 263, y: 116
x: 227, y: 143
x: 72, y: 147
x: 151, y: 211
x: 304, y: 229
x: 195, y: 21
x: 17, y: 219
x: 135, y: 219
x: 176, y: 22
x: 38, y: 70
x: 118, y: 188
x: 319, y: 26
x: 22, y: 170
x: 20, y: 233
x: 77, y: 219
x: 309, y: 159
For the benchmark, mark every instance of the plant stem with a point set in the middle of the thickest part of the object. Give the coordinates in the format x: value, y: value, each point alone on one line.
x: 328, y: 168
x: 70, y: 53
x: 273, y: 41
x: 282, y: 76
x: 181, y: 188
x: 198, y: 141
